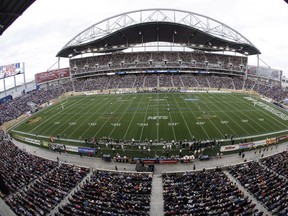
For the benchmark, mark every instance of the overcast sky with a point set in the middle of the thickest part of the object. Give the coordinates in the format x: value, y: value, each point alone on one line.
x: 47, y: 25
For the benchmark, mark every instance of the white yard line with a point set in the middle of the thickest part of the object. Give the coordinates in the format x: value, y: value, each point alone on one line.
x: 54, y: 127
x: 171, y: 122
x: 196, y: 118
x: 228, y: 116
x: 107, y: 119
x: 183, y: 117
x: 144, y: 119
x: 235, y: 113
x: 132, y: 119
x: 124, y: 112
x: 266, y: 114
x: 53, y: 116
x: 90, y: 117
x: 214, y: 124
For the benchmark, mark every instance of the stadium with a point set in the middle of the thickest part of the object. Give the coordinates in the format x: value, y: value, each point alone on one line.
x: 147, y: 120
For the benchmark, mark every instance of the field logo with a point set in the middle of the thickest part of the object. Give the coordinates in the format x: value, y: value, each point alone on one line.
x: 34, y: 120
x: 157, y: 117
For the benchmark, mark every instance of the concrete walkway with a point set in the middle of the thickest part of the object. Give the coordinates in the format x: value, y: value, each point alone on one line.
x: 5, y: 209
x: 157, y: 201
x: 94, y: 163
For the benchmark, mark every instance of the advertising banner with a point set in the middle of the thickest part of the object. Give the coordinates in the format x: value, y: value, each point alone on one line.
x: 29, y: 140
x: 52, y: 75
x: 246, y: 145
x: 86, y: 150
x: 229, y: 148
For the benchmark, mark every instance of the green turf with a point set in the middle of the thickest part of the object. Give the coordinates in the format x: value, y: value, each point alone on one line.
x: 167, y: 116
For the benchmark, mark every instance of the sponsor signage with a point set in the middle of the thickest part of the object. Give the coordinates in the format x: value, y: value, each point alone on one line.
x: 86, y: 150
x: 72, y: 148
x: 229, y: 148
x: 52, y: 75
x: 29, y: 140
x: 246, y: 145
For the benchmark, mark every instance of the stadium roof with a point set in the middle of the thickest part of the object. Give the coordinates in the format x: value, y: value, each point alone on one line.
x: 180, y: 27
x: 10, y: 10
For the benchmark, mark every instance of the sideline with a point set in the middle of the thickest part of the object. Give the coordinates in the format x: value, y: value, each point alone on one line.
x: 95, y: 163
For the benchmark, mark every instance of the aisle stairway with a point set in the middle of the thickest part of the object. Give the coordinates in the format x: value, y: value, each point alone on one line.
x: 157, y: 203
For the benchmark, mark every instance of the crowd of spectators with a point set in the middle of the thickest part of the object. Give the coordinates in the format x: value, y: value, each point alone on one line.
x: 111, y: 193
x: 157, y: 59
x: 278, y: 163
x: 12, y: 109
x: 204, y: 193
x: 267, y: 186
x: 43, y: 194
x: 18, y: 168
x: 33, y: 185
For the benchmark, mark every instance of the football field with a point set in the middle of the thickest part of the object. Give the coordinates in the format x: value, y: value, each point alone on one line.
x: 157, y: 116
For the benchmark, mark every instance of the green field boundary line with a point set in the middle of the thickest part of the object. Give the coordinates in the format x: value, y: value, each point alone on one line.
x: 221, y: 140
